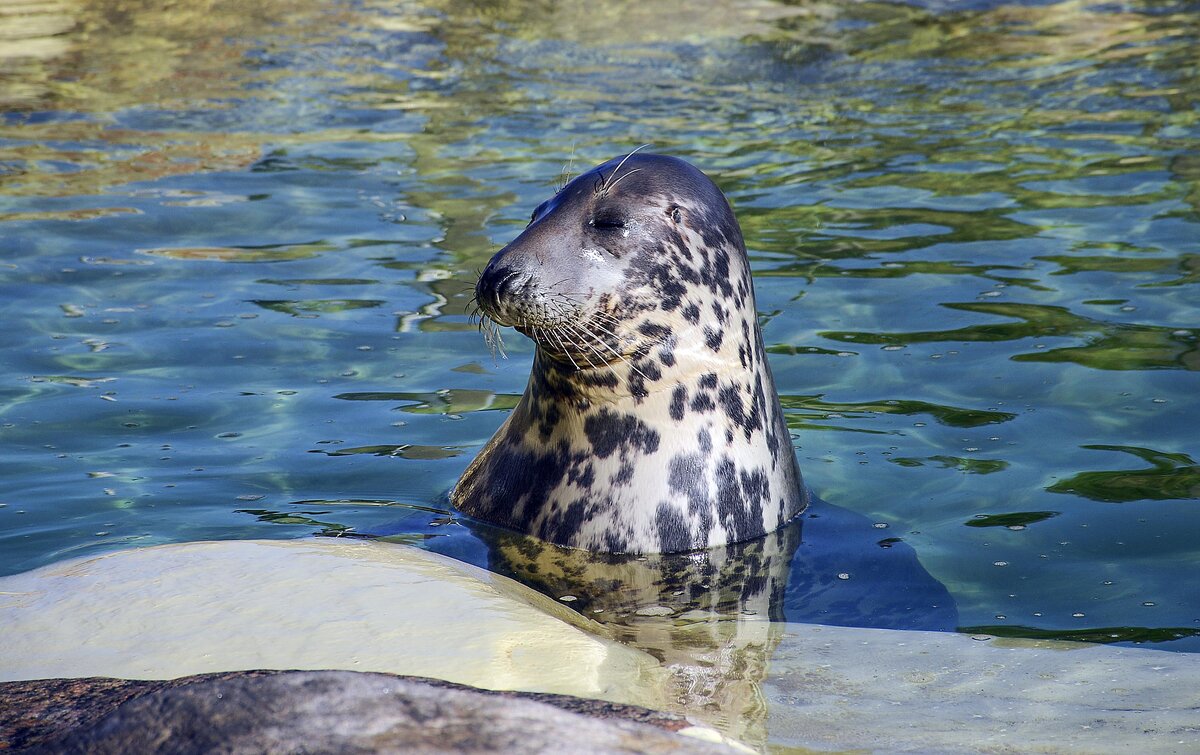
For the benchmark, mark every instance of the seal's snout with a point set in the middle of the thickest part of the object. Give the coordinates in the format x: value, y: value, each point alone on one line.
x: 500, y: 290
x: 490, y: 288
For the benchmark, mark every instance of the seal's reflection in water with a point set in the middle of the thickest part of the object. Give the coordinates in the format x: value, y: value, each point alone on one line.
x: 710, y: 617
x: 713, y: 617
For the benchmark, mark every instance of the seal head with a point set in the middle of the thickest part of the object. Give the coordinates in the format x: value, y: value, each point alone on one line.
x: 650, y: 422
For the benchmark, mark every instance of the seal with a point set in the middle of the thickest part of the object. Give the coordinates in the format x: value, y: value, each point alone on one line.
x: 650, y: 423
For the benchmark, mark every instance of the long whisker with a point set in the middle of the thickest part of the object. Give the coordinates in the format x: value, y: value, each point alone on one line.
x: 491, y: 336
x: 565, y: 177
x: 622, y: 178
x: 604, y: 186
x: 572, y: 329
x: 564, y: 314
x: 619, y: 356
x: 561, y: 345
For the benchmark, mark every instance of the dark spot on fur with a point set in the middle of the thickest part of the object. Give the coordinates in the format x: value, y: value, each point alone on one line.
x: 678, y: 402
x: 598, y: 378
x: 673, y: 535
x: 729, y: 499
x: 718, y: 311
x: 702, y: 402
x: 654, y: 330
x: 713, y: 338
x: 565, y: 522
x: 731, y: 402
x: 686, y: 477
x: 609, y: 431
x: 615, y: 542
x: 582, y: 477
x: 649, y: 369
x: 624, y: 475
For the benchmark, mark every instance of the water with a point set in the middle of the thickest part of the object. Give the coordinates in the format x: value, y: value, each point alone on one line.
x: 236, y: 249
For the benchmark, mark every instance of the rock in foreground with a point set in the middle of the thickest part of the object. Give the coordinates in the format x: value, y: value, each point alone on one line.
x: 321, y: 712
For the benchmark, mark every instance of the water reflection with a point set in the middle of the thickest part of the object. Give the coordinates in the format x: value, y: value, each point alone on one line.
x: 1111, y: 346
x: 973, y: 231
x: 1171, y: 476
x: 713, y: 617
x: 710, y: 617
x: 445, y: 401
x: 815, y: 407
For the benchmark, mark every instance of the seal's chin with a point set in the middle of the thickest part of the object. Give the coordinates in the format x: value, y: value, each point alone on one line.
x: 573, y: 334
x: 576, y: 343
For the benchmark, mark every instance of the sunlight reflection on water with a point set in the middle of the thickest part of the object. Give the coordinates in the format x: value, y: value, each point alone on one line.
x: 237, y: 247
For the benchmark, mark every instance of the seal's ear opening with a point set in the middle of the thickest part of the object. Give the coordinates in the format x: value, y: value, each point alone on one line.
x: 675, y: 214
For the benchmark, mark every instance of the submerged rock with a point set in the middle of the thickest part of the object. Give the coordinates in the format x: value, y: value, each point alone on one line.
x: 172, y: 611
x: 931, y: 692
x: 193, y: 608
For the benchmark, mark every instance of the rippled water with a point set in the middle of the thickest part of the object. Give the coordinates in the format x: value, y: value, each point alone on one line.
x: 237, y: 241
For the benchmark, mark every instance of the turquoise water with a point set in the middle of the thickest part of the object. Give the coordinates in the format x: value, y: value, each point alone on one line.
x: 237, y: 248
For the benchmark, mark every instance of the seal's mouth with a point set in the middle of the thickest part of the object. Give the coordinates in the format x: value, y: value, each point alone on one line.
x: 581, y: 343
x: 567, y: 329
x: 562, y: 331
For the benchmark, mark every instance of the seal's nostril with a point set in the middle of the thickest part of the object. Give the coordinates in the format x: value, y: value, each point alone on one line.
x: 495, y: 284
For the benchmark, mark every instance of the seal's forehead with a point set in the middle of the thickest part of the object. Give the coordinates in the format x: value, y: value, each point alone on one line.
x: 646, y: 174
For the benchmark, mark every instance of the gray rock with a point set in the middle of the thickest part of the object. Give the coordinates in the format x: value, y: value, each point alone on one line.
x: 322, y: 712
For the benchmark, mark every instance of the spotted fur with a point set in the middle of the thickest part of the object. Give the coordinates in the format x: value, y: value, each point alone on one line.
x: 650, y: 422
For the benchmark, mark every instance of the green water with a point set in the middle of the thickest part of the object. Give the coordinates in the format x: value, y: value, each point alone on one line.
x: 237, y: 245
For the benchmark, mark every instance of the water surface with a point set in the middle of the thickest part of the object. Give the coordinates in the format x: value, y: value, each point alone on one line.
x: 237, y: 246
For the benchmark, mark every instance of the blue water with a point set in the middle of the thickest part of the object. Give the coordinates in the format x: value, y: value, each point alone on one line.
x: 237, y: 248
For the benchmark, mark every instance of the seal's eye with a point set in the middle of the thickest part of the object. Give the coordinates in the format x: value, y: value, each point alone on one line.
x: 607, y: 222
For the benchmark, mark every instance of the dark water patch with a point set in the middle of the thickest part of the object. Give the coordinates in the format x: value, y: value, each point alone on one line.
x: 403, y: 450
x: 305, y: 518
x: 1100, y: 635
x: 970, y: 466
x: 1110, y: 346
x: 309, y: 307
x: 271, y: 253
x: 1015, y: 520
x: 295, y: 282
x: 946, y: 415
x: 448, y: 401
x: 1171, y: 476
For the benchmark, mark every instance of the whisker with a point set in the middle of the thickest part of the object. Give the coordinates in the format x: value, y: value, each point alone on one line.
x: 622, y: 178
x: 604, y: 185
x: 561, y: 345
x: 571, y: 328
x: 620, y: 357
x: 491, y: 336
x: 565, y: 177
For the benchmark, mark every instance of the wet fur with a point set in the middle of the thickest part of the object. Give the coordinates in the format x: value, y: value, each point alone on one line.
x: 650, y: 422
